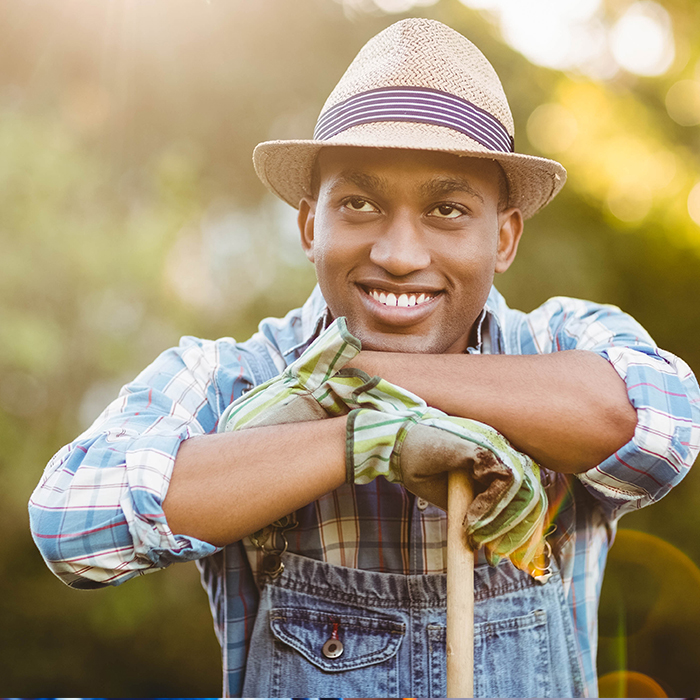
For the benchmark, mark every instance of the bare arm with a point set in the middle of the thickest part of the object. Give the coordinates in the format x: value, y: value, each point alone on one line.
x: 568, y: 410
x: 228, y: 485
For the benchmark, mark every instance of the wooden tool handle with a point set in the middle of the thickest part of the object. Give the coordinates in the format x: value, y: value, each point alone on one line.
x: 460, y: 590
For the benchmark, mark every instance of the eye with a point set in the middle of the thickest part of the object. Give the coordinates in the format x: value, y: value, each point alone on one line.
x: 446, y: 211
x: 359, y: 204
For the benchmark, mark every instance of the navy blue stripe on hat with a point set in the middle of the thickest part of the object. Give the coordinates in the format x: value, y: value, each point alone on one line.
x: 414, y: 104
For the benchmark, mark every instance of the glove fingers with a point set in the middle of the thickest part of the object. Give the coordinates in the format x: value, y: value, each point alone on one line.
x: 337, y: 394
x: 525, y: 538
x: 358, y: 390
x: 494, y: 486
x: 515, y: 511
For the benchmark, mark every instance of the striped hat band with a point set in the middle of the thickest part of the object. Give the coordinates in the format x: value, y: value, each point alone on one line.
x: 414, y: 104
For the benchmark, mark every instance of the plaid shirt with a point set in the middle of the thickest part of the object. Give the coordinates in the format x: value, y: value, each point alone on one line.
x: 97, y: 513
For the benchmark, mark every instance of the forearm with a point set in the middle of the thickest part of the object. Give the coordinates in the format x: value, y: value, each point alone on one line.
x: 567, y: 410
x: 228, y: 485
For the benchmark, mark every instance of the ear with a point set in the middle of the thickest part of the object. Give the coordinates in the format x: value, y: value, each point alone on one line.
x: 510, y: 229
x: 305, y: 220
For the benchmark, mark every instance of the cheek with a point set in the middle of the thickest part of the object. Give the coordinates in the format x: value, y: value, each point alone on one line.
x: 336, y: 250
x: 469, y: 258
x: 326, y: 256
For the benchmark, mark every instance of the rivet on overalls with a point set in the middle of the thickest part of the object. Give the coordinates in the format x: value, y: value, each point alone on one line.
x: 333, y: 648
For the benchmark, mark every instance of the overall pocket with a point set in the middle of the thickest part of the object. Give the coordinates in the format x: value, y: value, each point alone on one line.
x: 511, y: 658
x: 341, y: 654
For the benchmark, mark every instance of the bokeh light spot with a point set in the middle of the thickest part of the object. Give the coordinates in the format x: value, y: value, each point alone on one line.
x: 394, y: 6
x: 629, y: 684
x: 662, y: 169
x: 629, y: 206
x: 683, y: 102
x: 642, y: 39
x: 187, y: 273
x: 482, y: 4
x: 694, y: 204
x: 552, y: 128
x: 648, y: 617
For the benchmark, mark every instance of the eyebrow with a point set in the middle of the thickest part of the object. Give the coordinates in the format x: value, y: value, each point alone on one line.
x: 441, y: 186
x: 435, y: 188
x: 365, y: 181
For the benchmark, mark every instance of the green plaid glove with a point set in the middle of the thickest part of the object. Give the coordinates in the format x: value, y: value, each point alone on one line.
x: 418, y: 448
x: 300, y: 392
x: 506, y: 516
x: 356, y: 389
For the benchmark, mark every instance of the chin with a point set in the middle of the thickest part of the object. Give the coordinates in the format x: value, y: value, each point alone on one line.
x: 395, y: 342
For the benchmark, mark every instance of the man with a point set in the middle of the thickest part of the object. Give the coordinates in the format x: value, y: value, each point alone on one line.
x: 410, y: 199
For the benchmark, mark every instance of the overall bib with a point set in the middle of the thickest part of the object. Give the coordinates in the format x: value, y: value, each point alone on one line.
x: 325, y: 630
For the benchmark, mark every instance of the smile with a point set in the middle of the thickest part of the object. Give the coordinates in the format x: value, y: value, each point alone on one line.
x: 403, y: 300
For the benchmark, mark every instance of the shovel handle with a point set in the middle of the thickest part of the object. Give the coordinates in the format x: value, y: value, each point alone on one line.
x: 460, y: 590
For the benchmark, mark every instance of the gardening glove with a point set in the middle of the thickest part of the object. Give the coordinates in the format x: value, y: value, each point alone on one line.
x: 354, y: 388
x: 418, y: 448
x: 317, y: 385
x: 299, y: 393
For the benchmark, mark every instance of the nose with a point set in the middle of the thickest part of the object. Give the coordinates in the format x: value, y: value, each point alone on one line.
x: 400, y: 247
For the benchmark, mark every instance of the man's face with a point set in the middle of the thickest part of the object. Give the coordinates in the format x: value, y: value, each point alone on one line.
x: 406, y: 244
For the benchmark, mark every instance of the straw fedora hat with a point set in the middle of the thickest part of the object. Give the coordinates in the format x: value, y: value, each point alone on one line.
x: 416, y: 85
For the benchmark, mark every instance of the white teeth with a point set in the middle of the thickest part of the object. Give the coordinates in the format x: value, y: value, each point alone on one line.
x: 403, y: 300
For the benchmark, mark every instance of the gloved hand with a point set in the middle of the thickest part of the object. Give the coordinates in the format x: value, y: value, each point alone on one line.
x: 417, y: 447
x: 299, y: 393
x: 507, y: 514
x: 354, y: 388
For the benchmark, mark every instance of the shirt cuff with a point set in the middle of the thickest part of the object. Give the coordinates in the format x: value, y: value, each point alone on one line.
x: 665, y: 394
x: 149, y: 466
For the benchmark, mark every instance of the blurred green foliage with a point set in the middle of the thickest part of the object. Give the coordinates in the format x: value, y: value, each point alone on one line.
x: 130, y: 215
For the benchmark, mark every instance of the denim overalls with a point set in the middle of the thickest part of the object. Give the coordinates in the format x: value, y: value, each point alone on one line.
x: 324, y: 630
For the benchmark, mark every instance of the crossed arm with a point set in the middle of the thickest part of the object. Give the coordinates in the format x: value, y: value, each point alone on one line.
x: 137, y: 491
x: 567, y: 410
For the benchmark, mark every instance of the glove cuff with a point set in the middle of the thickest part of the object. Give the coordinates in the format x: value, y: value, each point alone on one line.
x: 331, y: 351
x: 369, y: 446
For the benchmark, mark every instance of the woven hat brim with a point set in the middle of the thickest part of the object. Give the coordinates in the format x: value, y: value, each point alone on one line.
x: 285, y: 167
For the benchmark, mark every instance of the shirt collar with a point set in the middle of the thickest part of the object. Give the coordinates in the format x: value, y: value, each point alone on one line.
x: 315, y: 318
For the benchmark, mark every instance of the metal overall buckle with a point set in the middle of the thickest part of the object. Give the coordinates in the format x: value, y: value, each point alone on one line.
x: 542, y: 575
x: 266, y: 541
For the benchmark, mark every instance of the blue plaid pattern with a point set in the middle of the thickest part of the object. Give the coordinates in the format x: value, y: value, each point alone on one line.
x: 97, y: 513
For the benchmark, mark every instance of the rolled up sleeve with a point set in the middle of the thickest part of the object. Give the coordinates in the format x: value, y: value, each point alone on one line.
x: 97, y: 514
x: 660, y: 386
x: 664, y: 392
